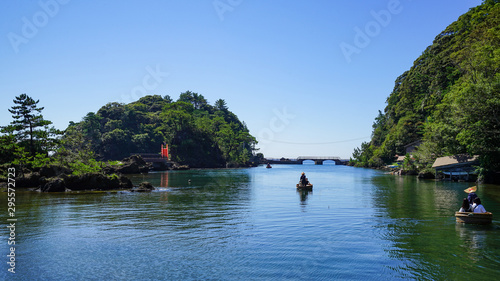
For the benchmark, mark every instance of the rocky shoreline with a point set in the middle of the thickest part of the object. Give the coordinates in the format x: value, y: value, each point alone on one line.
x: 424, y: 174
x: 54, y: 178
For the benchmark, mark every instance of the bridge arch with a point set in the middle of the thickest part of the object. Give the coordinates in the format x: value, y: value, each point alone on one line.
x: 318, y: 160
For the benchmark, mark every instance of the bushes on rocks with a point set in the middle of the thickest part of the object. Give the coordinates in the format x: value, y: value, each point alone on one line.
x: 91, y: 181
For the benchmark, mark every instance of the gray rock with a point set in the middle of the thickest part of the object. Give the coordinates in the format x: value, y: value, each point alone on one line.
x: 54, y: 185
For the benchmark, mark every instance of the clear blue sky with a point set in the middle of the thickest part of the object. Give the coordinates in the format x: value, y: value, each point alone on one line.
x: 307, y: 77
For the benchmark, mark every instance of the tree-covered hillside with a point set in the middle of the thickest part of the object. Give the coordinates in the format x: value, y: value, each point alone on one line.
x: 449, y: 99
x: 198, y: 134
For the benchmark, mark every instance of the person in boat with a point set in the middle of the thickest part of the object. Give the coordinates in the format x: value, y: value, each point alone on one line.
x: 465, y: 206
x: 472, y: 194
x: 471, y: 197
x: 477, y: 207
x: 303, y: 179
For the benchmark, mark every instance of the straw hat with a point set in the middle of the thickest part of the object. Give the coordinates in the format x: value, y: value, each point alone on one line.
x: 471, y: 189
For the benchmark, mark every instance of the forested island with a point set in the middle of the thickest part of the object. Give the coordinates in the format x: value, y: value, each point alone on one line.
x: 199, y: 135
x: 449, y: 100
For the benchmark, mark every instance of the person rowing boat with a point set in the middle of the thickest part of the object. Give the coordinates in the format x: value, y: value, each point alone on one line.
x: 304, y: 183
x: 303, y: 179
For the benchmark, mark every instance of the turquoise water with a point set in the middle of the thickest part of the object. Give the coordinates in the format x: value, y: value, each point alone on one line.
x: 252, y: 224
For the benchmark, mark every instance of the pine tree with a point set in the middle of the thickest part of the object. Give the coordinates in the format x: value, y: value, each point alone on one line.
x: 29, y: 128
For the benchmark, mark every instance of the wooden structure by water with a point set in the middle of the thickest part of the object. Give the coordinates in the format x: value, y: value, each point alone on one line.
x: 157, y: 161
x: 457, y: 167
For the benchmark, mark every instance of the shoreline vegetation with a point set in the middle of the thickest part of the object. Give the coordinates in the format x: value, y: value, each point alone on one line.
x: 85, y: 156
x: 448, y: 102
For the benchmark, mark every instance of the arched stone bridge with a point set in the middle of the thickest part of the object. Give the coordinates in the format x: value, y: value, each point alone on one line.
x: 318, y: 160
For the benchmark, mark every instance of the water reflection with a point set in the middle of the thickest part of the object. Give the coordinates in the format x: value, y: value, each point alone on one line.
x: 303, y: 194
x: 211, y: 200
x: 247, y: 224
x: 473, y: 237
x: 164, y: 179
x: 417, y: 218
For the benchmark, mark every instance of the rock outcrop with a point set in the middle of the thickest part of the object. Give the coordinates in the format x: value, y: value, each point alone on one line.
x: 55, y: 185
x: 90, y: 181
x: 143, y: 187
x: 130, y: 165
x: 426, y: 175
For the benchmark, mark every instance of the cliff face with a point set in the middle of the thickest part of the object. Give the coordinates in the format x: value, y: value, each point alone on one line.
x: 449, y: 99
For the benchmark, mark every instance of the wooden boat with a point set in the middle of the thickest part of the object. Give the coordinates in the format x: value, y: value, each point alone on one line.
x: 474, y: 218
x: 309, y: 186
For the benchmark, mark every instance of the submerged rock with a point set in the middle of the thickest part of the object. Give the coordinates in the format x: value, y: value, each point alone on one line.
x: 143, y: 187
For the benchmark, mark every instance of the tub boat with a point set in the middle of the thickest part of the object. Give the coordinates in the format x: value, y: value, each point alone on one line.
x: 300, y: 186
x: 474, y: 218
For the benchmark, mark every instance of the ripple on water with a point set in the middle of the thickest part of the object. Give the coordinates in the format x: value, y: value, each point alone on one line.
x: 356, y: 224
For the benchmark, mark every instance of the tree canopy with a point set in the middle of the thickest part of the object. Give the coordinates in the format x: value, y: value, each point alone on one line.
x: 449, y: 99
x: 28, y: 131
x: 198, y: 134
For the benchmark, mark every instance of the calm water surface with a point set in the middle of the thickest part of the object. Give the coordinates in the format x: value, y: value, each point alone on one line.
x: 251, y: 224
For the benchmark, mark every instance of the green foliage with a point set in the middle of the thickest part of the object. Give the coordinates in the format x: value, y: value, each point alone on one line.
x: 409, y: 163
x: 449, y: 99
x: 40, y: 160
x: 29, y: 129
x: 22, y: 158
x: 8, y: 147
x: 425, y: 154
x: 198, y: 134
x: 80, y: 168
x: 28, y: 140
x: 114, y: 163
x: 220, y: 104
x: 363, y: 154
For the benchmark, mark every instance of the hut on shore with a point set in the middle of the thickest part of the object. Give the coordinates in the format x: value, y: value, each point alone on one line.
x: 456, y: 167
